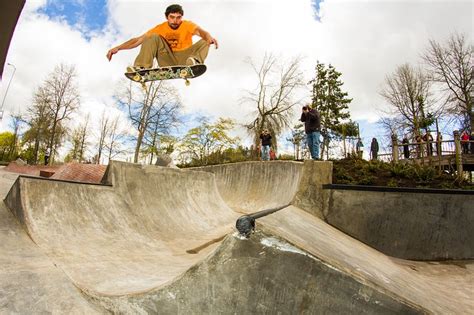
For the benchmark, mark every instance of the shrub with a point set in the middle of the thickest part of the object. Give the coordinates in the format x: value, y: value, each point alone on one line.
x: 424, y: 174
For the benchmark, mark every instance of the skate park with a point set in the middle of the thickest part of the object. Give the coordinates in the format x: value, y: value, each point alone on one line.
x: 145, y: 239
x: 151, y: 239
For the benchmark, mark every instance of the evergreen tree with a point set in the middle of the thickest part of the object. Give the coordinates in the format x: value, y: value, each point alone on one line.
x: 331, y: 102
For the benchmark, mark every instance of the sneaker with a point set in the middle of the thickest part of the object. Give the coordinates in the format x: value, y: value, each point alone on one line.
x: 192, y: 61
x: 134, y: 68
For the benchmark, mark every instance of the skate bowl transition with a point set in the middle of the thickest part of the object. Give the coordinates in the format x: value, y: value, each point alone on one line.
x: 156, y: 240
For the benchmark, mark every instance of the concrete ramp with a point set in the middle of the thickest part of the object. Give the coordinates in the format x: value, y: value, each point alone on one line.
x: 250, y: 187
x: 128, y: 238
x: 158, y: 240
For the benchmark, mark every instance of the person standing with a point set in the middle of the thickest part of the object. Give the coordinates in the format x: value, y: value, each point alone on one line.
x: 312, y: 127
x: 471, y: 142
x: 374, y: 148
x: 406, y: 149
x: 428, y: 138
x: 46, y: 157
x: 439, y: 138
x: 465, y: 142
x: 360, y: 148
x: 266, y: 139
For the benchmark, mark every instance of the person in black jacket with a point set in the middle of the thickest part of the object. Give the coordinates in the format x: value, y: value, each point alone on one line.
x: 266, y: 138
x: 312, y: 127
x: 374, y: 148
x: 406, y: 149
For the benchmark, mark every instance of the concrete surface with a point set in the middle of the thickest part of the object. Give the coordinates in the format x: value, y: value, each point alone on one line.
x: 251, y: 186
x: 9, y: 13
x: 161, y: 240
x: 415, y: 226
x: 262, y: 275
x: 30, y: 281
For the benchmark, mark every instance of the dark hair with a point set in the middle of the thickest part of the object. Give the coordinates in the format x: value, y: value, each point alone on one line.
x: 174, y: 8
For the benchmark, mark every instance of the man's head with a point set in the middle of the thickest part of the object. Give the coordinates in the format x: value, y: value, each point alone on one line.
x: 174, y: 14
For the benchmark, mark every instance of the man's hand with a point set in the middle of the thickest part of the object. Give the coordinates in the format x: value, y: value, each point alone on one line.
x: 112, y: 52
x: 212, y: 40
x: 206, y: 36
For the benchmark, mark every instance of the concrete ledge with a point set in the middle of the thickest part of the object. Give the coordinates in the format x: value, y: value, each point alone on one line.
x: 408, y: 223
x: 311, y: 197
x: 399, y: 189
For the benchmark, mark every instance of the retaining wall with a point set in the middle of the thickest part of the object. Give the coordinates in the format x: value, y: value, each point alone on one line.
x: 410, y: 223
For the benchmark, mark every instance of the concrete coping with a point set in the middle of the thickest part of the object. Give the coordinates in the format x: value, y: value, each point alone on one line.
x: 399, y: 189
x: 64, y: 180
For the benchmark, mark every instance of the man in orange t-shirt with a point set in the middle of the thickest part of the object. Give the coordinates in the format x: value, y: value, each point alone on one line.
x: 169, y: 42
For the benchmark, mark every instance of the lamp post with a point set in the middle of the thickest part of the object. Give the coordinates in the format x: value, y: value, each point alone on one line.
x: 6, y: 92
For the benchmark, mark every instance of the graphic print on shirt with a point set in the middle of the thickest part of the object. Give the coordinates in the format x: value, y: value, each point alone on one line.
x: 172, y: 39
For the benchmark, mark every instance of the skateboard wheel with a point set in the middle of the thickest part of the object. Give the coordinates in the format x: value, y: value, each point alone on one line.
x: 183, y: 73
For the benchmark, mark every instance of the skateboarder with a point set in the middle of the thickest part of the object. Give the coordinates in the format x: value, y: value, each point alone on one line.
x: 169, y: 42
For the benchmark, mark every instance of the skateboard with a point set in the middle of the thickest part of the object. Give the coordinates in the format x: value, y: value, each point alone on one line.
x: 167, y: 73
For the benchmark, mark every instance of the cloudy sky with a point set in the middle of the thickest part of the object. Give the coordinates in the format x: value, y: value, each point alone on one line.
x: 365, y: 40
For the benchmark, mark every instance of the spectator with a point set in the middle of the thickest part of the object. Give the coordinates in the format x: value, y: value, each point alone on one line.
x: 360, y: 148
x: 406, y: 149
x: 428, y: 138
x: 312, y: 127
x: 266, y: 144
x: 374, y: 148
x: 465, y: 142
x: 272, y: 155
x: 471, y: 139
x: 439, y: 138
x: 419, y: 145
x: 46, y: 157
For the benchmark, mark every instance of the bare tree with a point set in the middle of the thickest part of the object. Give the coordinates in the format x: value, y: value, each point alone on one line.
x: 412, y: 107
x: 114, y: 139
x: 83, y: 133
x: 158, y: 103
x: 79, y: 141
x: 164, y: 116
x: 62, y: 100
x: 274, y: 96
x: 452, y: 64
x: 104, y: 129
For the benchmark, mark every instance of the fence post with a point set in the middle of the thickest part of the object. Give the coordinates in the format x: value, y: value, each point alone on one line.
x: 457, y: 146
x: 394, y: 148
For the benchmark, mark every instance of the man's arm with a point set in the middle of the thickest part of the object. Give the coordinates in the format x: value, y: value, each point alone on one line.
x: 129, y: 44
x: 206, y: 36
x: 303, y: 117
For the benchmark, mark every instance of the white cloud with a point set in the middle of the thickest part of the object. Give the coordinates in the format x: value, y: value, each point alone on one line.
x: 365, y: 40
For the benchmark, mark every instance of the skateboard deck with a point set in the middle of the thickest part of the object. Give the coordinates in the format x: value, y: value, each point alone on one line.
x: 167, y: 73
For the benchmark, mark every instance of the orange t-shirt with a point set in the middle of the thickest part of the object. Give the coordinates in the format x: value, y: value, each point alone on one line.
x: 178, y: 39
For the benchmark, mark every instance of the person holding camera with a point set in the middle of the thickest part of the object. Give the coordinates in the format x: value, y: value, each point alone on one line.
x: 266, y: 138
x: 312, y: 127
